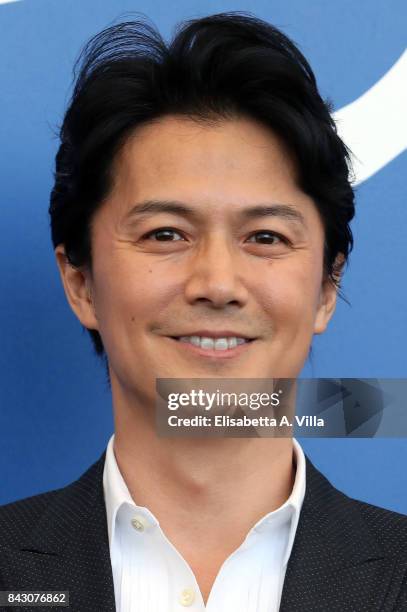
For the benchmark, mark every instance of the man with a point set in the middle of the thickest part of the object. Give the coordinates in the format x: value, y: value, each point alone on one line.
x: 200, y: 218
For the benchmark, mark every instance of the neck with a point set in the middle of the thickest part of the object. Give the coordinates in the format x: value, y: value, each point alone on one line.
x: 198, y: 485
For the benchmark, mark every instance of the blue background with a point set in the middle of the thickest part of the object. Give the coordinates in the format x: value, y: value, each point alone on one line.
x: 55, y: 406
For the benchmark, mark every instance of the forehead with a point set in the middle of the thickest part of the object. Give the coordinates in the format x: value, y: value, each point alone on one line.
x: 220, y: 163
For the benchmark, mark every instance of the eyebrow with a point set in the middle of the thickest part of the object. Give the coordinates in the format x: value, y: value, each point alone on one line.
x: 150, y: 207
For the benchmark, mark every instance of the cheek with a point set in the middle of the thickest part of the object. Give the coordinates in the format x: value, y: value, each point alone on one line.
x: 289, y: 293
x: 122, y: 297
x: 130, y: 294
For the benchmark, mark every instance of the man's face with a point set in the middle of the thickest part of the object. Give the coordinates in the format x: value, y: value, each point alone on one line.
x: 238, y: 253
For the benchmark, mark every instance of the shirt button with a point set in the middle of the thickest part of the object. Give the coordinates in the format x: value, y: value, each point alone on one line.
x: 139, y: 523
x: 187, y: 597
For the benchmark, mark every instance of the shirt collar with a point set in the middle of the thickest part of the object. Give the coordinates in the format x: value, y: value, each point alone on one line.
x: 115, y: 489
x: 296, y: 498
x: 116, y: 494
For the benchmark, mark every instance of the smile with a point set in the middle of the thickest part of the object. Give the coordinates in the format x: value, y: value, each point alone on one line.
x: 214, y: 347
x: 219, y: 344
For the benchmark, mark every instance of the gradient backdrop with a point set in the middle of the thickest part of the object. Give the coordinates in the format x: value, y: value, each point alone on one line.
x: 55, y: 407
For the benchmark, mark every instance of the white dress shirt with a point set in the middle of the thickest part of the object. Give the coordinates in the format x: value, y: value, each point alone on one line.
x: 150, y: 575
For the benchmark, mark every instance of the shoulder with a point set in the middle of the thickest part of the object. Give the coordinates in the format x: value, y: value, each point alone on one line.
x: 387, y: 527
x: 351, y: 519
x: 20, y: 518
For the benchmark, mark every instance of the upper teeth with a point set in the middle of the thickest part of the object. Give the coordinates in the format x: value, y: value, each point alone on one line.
x: 219, y: 344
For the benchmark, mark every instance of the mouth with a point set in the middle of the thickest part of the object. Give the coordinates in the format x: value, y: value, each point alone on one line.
x: 219, y: 347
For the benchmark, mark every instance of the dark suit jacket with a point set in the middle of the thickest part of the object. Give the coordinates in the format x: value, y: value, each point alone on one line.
x: 348, y: 556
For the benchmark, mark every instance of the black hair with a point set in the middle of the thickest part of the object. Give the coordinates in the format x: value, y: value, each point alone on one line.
x: 216, y: 67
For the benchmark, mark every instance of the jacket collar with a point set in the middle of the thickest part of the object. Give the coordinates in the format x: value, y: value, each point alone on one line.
x: 333, y: 551
x: 324, y: 507
x: 335, y: 558
x: 80, y: 505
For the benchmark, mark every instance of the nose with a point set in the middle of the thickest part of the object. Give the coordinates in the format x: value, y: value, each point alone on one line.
x: 215, y: 274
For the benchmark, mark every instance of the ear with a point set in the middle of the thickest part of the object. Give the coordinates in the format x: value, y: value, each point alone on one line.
x: 78, y: 290
x: 328, y: 296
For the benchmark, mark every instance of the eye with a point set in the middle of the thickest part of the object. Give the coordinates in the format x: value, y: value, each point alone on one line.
x: 267, y: 237
x: 164, y: 234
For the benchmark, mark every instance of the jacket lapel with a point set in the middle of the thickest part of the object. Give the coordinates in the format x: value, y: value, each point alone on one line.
x: 335, y: 563
x: 69, y: 549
